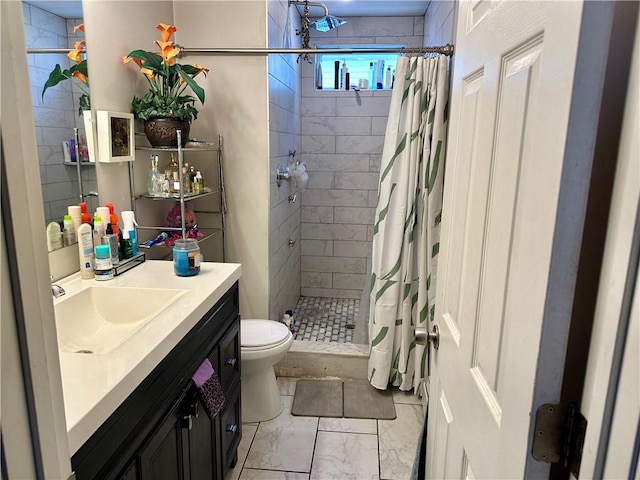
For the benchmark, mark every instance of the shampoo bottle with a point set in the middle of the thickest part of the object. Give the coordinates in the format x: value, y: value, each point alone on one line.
x: 372, y: 76
x: 318, y: 75
x: 69, y: 232
x: 343, y: 75
x: 98, y: 230
x: 387, y: 78
x: 113, y: 218
x: 86, y: 218
x: 85, y: 250
x: 54, y: 237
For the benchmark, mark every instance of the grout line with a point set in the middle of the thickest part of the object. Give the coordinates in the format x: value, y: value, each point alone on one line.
x: 378, y: 438
x: 315, y: 444
x: 255, y: 433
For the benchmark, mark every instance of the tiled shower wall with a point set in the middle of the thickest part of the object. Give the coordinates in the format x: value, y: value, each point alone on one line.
x: 284, y: 136
x: 57, y: 114
x: 439, y: 23
x: 342, y: 141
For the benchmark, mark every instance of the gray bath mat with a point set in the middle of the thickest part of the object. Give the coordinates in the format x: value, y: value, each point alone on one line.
x: 335, y: 398
x: 361, y: 400
x: 318, y: 398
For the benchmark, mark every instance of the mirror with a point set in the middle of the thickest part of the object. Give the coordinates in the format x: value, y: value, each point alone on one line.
x: 50, y: 24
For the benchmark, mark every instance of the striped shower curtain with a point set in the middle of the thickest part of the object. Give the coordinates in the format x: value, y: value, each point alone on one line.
x: 407, y: 224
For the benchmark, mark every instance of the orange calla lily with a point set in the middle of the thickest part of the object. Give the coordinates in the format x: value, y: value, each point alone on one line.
x: 204, y: 70
x: 80, y: 76
x: 78, y: 27
x: 136, y: 60
x: 168, y: 51
x: 166, y: 31
x: 148, y: 73
x: 172, y: 88
x: 76, y: 53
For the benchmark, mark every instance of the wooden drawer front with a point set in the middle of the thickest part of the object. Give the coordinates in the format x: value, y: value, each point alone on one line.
x: 230, y: 357
x: 231, y: 426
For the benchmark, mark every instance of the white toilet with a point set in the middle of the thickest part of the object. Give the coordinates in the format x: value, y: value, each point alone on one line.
x: 263, y: 344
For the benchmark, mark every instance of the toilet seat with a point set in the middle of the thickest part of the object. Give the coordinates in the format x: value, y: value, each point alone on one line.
x: 262, y: 334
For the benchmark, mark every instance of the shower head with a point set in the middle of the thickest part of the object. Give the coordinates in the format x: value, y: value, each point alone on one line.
x: 326, y: 23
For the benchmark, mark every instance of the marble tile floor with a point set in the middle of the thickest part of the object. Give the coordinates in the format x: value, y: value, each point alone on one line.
x: 320, y: 319
x: 309, y: 448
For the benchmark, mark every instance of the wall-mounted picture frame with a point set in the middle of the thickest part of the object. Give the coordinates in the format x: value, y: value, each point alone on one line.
x: 90, y: 132
x: 116, y: 139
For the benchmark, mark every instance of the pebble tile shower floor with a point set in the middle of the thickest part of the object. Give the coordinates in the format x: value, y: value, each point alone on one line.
x: 320, y: 319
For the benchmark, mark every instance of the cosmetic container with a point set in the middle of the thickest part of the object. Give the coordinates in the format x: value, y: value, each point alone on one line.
x: 54, y: 237
x: 76, y: 216
x: 69, y: 232
x: 85, y: 251
x: 186, y: 257
x: 103, y: 267
x: 111, y: 240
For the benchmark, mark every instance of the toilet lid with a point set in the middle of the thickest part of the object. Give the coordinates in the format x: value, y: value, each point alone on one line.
x: 262, y: 333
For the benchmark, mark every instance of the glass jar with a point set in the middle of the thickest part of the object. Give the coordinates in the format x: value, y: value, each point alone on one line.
x: 186, y: 257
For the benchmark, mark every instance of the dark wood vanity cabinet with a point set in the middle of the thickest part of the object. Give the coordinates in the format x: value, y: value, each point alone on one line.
x: 162, y: 430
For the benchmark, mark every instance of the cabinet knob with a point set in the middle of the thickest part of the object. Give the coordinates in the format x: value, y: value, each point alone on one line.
x: 194, y: 409
x: 231, y: 428
x: 186, y: 422
x: 230, y: 361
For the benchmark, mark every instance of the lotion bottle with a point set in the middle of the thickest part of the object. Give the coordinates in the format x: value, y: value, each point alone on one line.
x: 85, y: 251
x: 54, y: 237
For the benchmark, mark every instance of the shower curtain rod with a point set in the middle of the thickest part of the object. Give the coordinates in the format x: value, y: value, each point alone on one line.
x: 444, y: 50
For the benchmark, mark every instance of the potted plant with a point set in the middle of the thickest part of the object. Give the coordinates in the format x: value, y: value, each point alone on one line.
x: 167, y: 106
x: 77, y: 71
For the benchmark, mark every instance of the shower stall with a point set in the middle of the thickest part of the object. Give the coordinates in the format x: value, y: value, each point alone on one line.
x: 320, y: 245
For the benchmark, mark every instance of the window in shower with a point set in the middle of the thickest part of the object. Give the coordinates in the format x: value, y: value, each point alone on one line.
x: 366, y: 70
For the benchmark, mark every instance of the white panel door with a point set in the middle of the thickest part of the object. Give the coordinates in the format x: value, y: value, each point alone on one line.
x: 511, y: 91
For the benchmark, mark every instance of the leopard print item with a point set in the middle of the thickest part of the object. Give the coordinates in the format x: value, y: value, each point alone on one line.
x: 212, y: 395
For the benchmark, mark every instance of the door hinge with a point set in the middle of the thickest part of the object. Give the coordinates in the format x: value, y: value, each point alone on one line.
x: 559, y: 435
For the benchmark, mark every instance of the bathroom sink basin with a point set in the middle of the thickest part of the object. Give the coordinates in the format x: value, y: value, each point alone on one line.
x: 100, y: 319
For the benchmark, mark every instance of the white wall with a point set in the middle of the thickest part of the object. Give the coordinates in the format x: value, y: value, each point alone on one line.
x: 112, y: 83
x: 284, y: 136
x: 342, y: 139
x: 235, y: 106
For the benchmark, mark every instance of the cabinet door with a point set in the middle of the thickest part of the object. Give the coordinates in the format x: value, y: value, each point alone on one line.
x: 131, y: 472
x: 203, y: 436
x: 203, y: 445
x: 231, y: 427
x: 163, y: 456
x: 230, y: 357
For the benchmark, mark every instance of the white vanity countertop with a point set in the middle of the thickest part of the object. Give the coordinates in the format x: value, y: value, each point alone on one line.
x: 95, y: 385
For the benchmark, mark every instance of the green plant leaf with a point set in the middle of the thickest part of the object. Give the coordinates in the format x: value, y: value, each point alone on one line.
x: 55, y: 77
x: 197, y: 89
x: 151, y: 61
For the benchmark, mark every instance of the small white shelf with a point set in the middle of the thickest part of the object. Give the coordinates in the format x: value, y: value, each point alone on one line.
x: 82, y: 164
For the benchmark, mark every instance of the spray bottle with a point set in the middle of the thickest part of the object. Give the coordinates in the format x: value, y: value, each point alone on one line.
x: 129, y: 231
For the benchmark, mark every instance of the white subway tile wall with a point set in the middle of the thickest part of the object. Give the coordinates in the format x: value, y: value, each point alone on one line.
x: 284, y: 136
x: 342, y: 140
x: 56, y: 114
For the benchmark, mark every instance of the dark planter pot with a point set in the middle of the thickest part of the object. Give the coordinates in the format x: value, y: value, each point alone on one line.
x: 161, y: 131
